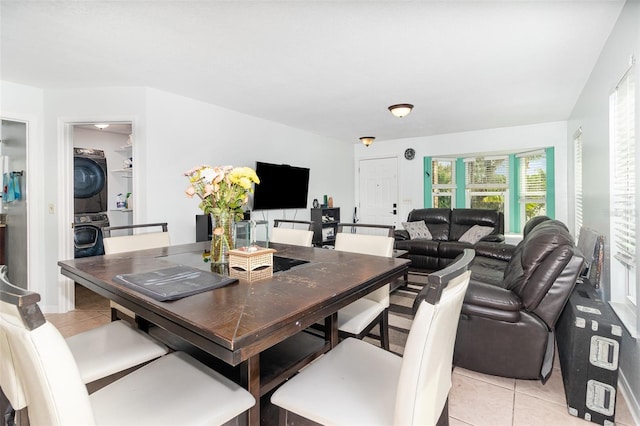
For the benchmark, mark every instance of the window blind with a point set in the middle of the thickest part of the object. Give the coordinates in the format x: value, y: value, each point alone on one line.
x: 533, y: 177
x: 623, y: 182
x: 487, y: 173
x: 577, y: 181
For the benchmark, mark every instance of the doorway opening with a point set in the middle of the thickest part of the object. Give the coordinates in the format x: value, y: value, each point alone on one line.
x: 14, y: 224
x: 98, y: 173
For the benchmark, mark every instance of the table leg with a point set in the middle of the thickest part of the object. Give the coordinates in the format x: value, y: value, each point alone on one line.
x: 331, y: 330
x: 250, y: 379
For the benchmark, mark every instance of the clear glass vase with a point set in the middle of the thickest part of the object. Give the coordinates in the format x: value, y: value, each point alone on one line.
x: 223, y: 238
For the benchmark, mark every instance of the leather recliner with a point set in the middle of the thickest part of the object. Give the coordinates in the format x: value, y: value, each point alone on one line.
x: 509, y: 316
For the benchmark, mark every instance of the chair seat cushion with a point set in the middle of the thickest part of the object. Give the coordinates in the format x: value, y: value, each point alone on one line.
x: 188, y: 392
x: 355, y: 317
x: 353, y: 384
x: 111, y: 348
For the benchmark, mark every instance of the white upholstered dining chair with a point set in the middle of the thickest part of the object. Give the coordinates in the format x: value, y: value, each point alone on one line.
x: 359, y: 317
x: 294, y: 232
x: 358, y: 383
x: 114, y: 244
x: 107, y: 349
x: 139, y: 241
x: 39, y: 372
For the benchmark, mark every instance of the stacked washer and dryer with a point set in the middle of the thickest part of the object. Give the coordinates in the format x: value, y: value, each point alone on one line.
x: 90, y: 201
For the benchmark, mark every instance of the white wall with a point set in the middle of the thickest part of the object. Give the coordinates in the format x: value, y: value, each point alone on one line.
x: 171, y: 135
x: 507, y: 139
x: 591, y: 113
x: 184, y: 133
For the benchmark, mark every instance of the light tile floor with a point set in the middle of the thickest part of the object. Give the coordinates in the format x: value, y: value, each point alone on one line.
x: 475, y: 399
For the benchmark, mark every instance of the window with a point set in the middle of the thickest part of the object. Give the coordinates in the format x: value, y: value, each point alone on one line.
x: 494, y: 181
x: 577, y: 181
x: 443, y: 182
x: 532, y: 188
x: 623, y: 196
x: 487, y: 183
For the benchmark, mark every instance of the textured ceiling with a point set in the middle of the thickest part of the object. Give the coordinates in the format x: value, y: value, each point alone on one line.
x: 328, y: 67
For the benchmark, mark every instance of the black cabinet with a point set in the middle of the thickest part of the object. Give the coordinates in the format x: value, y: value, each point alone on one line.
x: 325, y: 225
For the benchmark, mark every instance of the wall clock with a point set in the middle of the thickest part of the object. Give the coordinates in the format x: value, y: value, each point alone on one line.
x: 409, y: 153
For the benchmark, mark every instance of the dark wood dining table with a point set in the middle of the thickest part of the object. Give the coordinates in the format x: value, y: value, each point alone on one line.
x: 238, y: 322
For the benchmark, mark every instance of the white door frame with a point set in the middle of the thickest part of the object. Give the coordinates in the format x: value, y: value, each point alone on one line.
x: 66, y: 288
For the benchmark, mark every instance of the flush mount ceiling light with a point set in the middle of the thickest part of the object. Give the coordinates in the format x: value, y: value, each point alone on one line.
x: 367, y: 140
x: 400, y: 110
x: 101, y: 126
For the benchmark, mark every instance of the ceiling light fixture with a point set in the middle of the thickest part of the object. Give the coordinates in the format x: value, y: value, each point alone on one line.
x: 101, y: 126
x: 367, y: 140
x: 401, y: 110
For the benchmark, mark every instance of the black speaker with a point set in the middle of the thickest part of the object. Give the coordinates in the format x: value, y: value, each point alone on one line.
x: 203, y: 227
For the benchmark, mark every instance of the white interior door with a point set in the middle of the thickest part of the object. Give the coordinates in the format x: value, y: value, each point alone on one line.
x: 378, y: 183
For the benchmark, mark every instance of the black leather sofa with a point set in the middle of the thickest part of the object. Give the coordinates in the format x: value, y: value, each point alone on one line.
x: 446, y: 227
x: 514, y: 299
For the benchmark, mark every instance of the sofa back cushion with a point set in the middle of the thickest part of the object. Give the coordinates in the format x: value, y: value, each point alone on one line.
x: 544, y: 266
x: 437, y: 220
x: 464, y: 219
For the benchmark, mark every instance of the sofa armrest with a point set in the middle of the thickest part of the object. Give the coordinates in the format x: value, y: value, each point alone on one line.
x: 401, y: 235
x: 494, y: 238
x: 491, y: 296
x: 500, y: 251
x: 491, y: 302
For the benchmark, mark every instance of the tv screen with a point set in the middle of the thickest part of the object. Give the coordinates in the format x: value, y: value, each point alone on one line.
x: 281, y: 187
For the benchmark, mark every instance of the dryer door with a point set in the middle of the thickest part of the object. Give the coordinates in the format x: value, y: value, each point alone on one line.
x: 88, y: 177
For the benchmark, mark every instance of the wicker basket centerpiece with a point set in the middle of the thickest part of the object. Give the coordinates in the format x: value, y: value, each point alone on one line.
x: 251, y: 263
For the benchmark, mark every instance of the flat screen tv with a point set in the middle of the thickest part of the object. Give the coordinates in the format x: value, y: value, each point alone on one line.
x: 281, y: 187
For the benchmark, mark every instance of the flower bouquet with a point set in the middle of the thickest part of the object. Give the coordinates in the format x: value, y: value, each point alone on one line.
x: 223, y: 191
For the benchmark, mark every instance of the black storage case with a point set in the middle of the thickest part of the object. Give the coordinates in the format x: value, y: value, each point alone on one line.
x: 588, y: 334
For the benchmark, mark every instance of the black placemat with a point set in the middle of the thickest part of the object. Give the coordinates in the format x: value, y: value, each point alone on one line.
x: 174, y: 282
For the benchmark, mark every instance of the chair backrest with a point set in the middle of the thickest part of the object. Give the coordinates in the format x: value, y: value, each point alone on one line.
x: 376, y: 245
x: 366, y: 229
x: 296, y: 237
x: 141, y: 241
x: 306, y: 225
x: 40, y: 365
x: 425, y: 375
